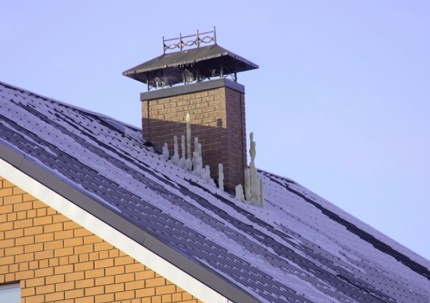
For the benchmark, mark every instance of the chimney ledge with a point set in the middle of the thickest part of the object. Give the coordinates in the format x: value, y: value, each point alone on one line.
x: 191, y: 88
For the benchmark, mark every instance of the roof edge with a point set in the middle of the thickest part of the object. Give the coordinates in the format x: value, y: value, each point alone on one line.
x: 102, y: 221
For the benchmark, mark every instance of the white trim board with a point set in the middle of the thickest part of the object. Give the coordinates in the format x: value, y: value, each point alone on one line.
x: 109, y: 234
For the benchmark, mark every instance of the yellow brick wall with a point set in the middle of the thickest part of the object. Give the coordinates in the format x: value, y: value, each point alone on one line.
x: 56, y: 260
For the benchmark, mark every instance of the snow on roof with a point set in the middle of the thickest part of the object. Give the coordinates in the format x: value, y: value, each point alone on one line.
x: 298, y: 248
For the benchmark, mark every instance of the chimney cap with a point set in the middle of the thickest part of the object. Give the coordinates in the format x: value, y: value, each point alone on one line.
x: 204, y: 62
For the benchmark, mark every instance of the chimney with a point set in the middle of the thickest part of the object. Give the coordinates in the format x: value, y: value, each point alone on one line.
x: 197, y: 76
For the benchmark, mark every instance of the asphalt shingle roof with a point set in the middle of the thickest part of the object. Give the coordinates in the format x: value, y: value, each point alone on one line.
x: 298, y: 248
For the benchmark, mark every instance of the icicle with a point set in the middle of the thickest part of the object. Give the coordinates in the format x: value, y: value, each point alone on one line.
x: 207, y: 175
x: 254, y: 186
x: 199, y: 163
x: 239, y: 193
x: 196, y: 170
x: 182, y: 162
x: 183, y: 146
x: 220, y: 176
x: 175, y: 158
x: 165, y: 151
x: 196, y: 144
x: 188, y: 165
x: 252, y: 147
x: 247, y: 185
x: 199, y: 150
x: 195, y: 156
x: 188, y: 130
x: 189, y: 162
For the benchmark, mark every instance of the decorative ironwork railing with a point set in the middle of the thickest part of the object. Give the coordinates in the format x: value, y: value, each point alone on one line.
x: 189, y: 41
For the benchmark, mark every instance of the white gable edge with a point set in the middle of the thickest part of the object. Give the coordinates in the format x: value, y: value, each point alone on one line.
x: 110, y: 234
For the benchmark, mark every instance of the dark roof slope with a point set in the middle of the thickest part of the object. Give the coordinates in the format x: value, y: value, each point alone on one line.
x: 299, y: 248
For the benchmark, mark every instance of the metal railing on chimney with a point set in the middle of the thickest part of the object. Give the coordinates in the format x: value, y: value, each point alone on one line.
x: 189, y: 41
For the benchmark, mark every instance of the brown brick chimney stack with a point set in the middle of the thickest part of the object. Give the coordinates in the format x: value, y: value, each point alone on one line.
x: 202, y: 82
x: 217, y: 112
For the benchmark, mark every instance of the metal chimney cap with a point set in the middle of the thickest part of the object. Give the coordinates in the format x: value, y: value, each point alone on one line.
x: 205, y: 59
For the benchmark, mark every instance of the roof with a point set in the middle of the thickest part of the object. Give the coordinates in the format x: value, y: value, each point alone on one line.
x: 298, y: 248
x: 205, y: 59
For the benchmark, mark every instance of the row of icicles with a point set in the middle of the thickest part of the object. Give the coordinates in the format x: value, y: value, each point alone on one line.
x: 251, y: 193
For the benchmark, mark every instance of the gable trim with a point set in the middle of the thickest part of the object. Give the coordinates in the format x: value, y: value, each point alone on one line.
x: 116, y: 230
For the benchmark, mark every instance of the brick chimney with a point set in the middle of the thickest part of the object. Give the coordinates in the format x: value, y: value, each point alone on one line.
x: 201, y: 81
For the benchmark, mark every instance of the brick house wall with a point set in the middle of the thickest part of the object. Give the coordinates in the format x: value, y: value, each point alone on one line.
x: 56, y: 260
x: 217, y: 119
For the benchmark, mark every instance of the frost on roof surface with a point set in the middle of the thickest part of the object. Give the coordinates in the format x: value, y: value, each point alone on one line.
x: 299, y: 248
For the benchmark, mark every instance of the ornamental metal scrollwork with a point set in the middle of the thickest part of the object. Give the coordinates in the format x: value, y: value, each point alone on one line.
x: 182, y: 42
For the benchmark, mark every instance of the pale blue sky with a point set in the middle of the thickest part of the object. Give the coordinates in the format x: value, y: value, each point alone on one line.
x: 341, y: 102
